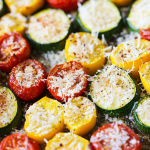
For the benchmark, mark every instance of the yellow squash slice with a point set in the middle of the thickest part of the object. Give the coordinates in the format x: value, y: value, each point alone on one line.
x: 80, y: 115
x: 12, y: 22
x: 68, y: 141
x: 145, y: 76
x: 86, y: 49
x: 44, y: 119
x: 25, y: 7
x: 131, y: 55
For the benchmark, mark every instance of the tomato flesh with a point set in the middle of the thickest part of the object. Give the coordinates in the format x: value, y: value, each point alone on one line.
x: 27, y: 79
x: 66, y: 5
x: 67, y: 81
x: 115, y: 136
x: 145, y: 34
x: 13, y: 50
x: 18, y: 141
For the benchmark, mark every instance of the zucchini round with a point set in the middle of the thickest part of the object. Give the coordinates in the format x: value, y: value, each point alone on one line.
x: 10, y: 111
x: 114, y: 91
x: 138, y: 16
x: 141, y: 114
x: 92, y: 17
x: 49, y: 29
x: 2, y: 8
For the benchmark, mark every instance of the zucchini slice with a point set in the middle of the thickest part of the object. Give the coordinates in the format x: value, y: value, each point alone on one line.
x: 138, y: 16
x: 68, y: 141
x: 49, y: 29
x: 141, y: 114
x: 2, y: 8
x: 95, y: 16
x: 25, y: 7
x: 13, y: 22
x: 114, y: 91
x: 80, y: 115
x: 10, y: 110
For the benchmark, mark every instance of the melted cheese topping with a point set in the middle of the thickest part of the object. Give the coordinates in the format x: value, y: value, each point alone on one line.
x: 43, y: 116
x: 113, y: 138
x: 49, y: 26
x: 19, y: 3
x: 131, y: 50
x: 95, y: 15
x: 12, y: 22
x: 79, y: 111
x: 29, y: 76
x: 112, y: 88
x: 85, y: 48
x: 140, y: 14
x: 68, y: 84
x: 68, y: 141
x: 8, y: 106
x: 9, y: 47
x: 143, y: 111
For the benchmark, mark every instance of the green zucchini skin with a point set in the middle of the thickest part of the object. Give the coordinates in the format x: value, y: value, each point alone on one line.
x: 50, y: 46
x: 145, y: 129
x: 60, y: 45
x: 108, y: 34
x: 123, y: 110
x: 15, y: 122
x: 3, y: 10
x: 128, y: 24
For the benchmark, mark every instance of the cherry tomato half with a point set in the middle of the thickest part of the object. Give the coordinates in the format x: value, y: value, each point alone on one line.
x: 66, y: 5
x: 145, y: 34
x: 13, y: 50
x: 27, y: 79
x: 115, y: 136
x: 67, y: 80
x: 18, y: 141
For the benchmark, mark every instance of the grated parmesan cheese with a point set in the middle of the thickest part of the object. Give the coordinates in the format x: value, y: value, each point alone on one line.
x: 29, y: 76
x: 96, y: 16
x: 112, y: 88
x: 85, y: 48
x: 67, y: 82
x: 143, y: 111
x: 113, y: 138
x: 68, y: 141
x: 139, y: 14
x: 43, y: 117
x: 8, y: 106
x: 79, y: 111
x: 12, y: 22
x: 49, y: 26
x: 15, y: 4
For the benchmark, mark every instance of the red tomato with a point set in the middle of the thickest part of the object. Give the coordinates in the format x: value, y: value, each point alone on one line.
x: 18, y: 141
x: 27, y: 79
x: 115, y: 136
x: 66, y: 5
x: 67, y: 80
x: 145, y: 34
x: 13, y: 50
